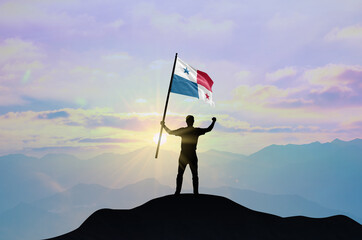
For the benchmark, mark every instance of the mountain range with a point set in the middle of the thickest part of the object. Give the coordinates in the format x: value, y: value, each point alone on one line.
x: 313, y: 179
x: 66, y: 210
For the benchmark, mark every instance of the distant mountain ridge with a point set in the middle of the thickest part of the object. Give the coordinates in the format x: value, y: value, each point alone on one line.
x: 323, y: 176
x: 65, y: 211
x: 289, y: 169
x: 335, y: 167
x: 206, y: 217
x: 311, y: 146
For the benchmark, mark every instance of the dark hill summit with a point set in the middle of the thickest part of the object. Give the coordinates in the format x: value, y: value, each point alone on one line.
x: 207, y: 217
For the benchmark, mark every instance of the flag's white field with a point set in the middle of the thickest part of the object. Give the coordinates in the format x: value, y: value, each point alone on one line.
x: 192, y: 82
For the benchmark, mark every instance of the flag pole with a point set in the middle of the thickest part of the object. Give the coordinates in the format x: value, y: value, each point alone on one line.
x: 164, y: 112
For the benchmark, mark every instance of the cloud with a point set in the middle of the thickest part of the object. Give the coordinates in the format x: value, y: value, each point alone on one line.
x: 357, y: 125
x: 258, y: 94
x: 134, y: 123
x: 53, y: 115
x: 334, y: 75
x: 334, y: 96
x: 243, y: 75
x: 350, y: 33
x: 105, y: 140
x: 281, y: 74
x: 331, y: 86
x: 22, y: 13
x: 229, y: 124
x: 259, y: 129
x: 76, y: 84
x: 57, y: 20
x: 84, y: 151
x: 7, y: 98
x: 99, y: 81
x: 16, y: 49
x: 57, y: 148
x: 75, y: 130
x: 19, y: 61
x: 335, y: 85
x: 25, y: 132
x: 194, y: 26
x: 292, y: 103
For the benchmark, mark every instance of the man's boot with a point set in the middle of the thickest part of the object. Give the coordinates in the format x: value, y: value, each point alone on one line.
x: 178, y: 185
x: 195, y: 183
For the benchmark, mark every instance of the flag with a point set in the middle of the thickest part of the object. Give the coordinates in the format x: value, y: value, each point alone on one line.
x: 192, y: 82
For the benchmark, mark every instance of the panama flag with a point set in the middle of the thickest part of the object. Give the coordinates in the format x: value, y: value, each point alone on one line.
x: 191, y: 82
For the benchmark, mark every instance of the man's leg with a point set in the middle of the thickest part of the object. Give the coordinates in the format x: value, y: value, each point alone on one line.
x: 181, y: 169
x: 195, y: 177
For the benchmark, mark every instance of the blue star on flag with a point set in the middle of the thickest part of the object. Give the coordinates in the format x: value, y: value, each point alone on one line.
x: 186, y: 70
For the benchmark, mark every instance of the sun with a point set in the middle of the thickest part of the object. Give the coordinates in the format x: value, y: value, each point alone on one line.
x: 163, y: 138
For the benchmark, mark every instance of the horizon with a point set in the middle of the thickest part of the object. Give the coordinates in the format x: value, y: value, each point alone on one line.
x: 173, y: 151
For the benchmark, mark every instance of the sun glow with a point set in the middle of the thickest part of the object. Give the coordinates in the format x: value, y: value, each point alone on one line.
x: 163, y: 138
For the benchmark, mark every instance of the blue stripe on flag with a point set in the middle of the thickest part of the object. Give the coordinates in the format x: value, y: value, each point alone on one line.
x: 183, y: 86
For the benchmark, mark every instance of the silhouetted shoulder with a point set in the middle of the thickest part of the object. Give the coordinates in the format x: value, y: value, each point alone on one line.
x: 179, y: 132
x: 201, y: 131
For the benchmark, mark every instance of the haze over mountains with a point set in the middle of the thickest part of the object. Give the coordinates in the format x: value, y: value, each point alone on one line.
x: 313, y: 179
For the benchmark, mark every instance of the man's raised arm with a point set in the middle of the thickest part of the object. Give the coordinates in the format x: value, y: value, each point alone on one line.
x: 211, y: 125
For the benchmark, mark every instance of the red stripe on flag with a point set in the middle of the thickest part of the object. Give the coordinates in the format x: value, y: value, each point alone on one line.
x: 204, y: 80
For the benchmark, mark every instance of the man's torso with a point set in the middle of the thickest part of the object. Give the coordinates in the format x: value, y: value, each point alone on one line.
x: 190, y: 136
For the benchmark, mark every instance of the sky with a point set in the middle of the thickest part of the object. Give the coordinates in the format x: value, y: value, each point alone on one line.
x: 87, y: 77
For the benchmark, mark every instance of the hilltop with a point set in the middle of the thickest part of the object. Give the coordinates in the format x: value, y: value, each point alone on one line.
x: 207, y: 217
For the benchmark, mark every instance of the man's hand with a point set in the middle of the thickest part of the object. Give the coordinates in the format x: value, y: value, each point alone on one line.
x: 214, y: 119
x: 162, y: 123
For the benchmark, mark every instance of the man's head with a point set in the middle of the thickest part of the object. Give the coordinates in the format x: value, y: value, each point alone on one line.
x: 190, y: 120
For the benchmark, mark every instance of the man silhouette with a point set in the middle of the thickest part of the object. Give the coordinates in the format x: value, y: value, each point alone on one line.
x: 188, y: 155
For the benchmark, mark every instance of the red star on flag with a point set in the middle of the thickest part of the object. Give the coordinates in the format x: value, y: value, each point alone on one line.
x: 207, y: 96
